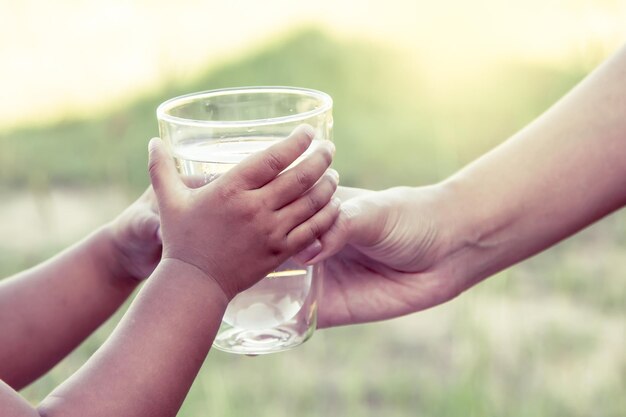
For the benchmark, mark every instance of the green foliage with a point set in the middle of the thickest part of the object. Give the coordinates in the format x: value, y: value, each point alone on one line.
x: 389, y: 127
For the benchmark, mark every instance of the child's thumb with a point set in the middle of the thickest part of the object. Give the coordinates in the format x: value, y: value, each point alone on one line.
x: 163, y: 175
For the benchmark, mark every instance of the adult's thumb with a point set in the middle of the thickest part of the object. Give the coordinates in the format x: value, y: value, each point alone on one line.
x: 163, y: 176
x: 365, y: 219
x: 361, y: 223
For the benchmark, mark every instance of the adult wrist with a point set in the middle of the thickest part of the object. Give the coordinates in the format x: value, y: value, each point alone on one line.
x: 476, y: 231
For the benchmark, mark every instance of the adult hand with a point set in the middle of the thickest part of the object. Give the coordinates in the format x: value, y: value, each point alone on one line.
x: 385, y: 256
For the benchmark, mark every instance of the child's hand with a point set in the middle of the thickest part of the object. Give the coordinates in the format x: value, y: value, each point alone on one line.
x: 248, y: 221
x: 136, y: 238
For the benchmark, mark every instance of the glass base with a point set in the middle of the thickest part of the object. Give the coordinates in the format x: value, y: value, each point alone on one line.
x: 277, y: 314
x: 259, y: 342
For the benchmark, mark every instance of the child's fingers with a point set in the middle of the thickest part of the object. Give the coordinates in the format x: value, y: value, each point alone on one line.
x: 146, y: 226
x: 260, y: 168
x: 359, y: 223
x: 306, y: 233
x: 309, y: 252
x: 311, y: 202
x: 292, y: 183
x: 163, y: 174
x: 331, y: 241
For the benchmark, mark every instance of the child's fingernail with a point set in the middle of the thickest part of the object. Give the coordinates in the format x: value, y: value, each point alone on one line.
x: 335, y: 201
x: 333, y: 173
x: 307, y: 130
x: 332, y: 147
x: 310, y: 251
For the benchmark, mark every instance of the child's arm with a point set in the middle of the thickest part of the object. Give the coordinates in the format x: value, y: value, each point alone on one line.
x: 46, y: 311
x: 217, y: 240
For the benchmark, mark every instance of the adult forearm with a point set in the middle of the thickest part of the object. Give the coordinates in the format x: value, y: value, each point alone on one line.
x: 142, y: 370
x: 560, y: 174
x: 50, y: 309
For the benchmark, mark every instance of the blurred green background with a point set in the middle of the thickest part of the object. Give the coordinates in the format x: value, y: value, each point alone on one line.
x: 419, y: 90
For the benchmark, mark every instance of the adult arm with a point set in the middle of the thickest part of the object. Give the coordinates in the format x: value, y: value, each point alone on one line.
x: 412, y: 248
x: 563, y: 172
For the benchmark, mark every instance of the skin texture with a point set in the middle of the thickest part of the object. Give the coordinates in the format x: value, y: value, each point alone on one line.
x: 148, y: 364
x: 405, y: 249
x: 48, y: 310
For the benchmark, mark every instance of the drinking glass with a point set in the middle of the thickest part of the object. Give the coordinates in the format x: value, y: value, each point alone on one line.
x: 208, y: 133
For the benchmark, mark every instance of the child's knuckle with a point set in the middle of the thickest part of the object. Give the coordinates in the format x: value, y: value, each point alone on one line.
x: 226, y: 191
x: 250, y: 211
x: 273, y: 161
x: 303, y: 179
x: 314, y: 230
x: 327, y: 156
x: 275, y: 243
x: 303, y: 141
x: 314, y: 202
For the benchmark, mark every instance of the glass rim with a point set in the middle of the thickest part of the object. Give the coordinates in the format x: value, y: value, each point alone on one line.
x: 163, y: 109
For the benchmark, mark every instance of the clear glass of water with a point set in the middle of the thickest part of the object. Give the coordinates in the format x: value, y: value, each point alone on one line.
x: 208, y: 133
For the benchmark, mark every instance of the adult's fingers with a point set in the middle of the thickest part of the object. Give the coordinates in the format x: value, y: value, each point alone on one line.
x: 262, y: 167
x: 163, y: 175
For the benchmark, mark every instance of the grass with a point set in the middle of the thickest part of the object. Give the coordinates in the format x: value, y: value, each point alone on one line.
x: 545, y: 338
